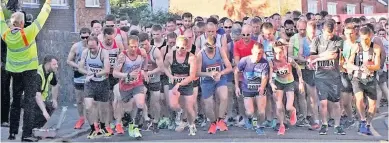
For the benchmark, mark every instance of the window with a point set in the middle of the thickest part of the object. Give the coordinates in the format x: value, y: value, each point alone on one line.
x: 368, y: 10
x: 92, y: 3
x: 312, y: 6
x: 30, y: 1
x: 331, y: 8
x: 350, y: 9
x: 59, y: 2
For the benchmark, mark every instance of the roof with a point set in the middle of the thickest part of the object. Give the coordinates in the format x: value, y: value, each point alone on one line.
x: 384, y: 2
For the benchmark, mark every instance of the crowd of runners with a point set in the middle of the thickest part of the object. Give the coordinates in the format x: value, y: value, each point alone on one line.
x: 313, y: 71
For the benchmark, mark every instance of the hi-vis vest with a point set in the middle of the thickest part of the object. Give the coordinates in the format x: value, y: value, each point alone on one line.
x: 22, y: 54
x: 45, y: 82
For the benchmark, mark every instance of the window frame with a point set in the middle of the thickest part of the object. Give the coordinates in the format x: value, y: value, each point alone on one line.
x: 94, y: 3
x: 335, y: 6
x: 348, y: 6
x: 311, y: 4
x: 368, y: 6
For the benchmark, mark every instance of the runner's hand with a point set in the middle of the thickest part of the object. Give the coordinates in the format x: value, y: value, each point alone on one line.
x: 46, y: 115
x: 301, y: 87
x: 88, y: 78
x: 237, y: 91
x: 175, y: 90
x: 217, y: 76
x: 146, y: 77
x: 261, y: 91
x: 273, y: 87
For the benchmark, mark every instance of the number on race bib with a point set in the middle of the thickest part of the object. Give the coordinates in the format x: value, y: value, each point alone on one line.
x: 282, y: 72
x: 326, y: 64
x: 214, y: 68
x: 253, y: 86
x: 95, y: 70
x: 131, y: 79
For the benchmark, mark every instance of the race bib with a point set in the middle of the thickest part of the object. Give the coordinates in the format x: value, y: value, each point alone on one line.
x: 131, y: 79
x: 95, y: 70
x: 282, y: 71
x: 269, y: 55
x: 213, y: 68
x: 112, y: 61
x: 151, y: 76
x: 178, y: 78
x: 329, y: 64
x: 253, y: 85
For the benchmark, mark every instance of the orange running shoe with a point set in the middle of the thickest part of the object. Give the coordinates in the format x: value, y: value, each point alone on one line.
x: 119, y: 129
x: 109, y: 130
x: 281, y: 130
x: 293, y: 118
x: 222, y: 126
x: 79, y: 123
x: 212, y: 128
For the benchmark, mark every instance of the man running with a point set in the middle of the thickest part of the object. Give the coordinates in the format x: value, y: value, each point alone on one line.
x: 324, y: 54
x: 255, y: 69
x: 131, y: 72
x: 113, y: 47
x: 364, y: 61
x: 154, y: 69
x: 349, y: 45
x: 281, y: 66
x: 180, y: 67
x: 213, y: 80
x: 158, y: 40
x: 121, y: 36
x: 73, y: 59
x: 94, y: 64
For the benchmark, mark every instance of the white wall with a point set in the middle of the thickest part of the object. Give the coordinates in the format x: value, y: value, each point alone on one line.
x: 160, y: 5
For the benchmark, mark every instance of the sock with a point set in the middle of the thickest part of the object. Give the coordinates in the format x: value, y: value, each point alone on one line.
x: 92, y: 127
x: 102, y: 125
x: 138, y: 116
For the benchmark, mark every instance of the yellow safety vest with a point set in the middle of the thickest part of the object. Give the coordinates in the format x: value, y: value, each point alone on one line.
x: 22, y: 54
x: 45, y: 82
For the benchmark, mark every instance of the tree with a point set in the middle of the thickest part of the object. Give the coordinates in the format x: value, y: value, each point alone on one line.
x: 241, y: 8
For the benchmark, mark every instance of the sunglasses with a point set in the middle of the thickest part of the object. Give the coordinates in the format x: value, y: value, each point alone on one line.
x: 289, y: 29
x: 227, y: 27
x: 246, y: 35
x: 180, y: 24
x: 338, y: 23
x: 279, y: 43
x: 85, y: 37
x: 180, y: 47
x: 109, y: 25
x: 209, y: 45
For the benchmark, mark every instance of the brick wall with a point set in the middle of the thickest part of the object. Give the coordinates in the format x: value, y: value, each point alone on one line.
x: 341, y: 6
x: 86, y: 14
x: 59, y: 19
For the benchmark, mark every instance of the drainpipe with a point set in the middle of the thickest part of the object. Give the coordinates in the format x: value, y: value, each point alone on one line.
x: 360, y: 6
x: 75, y: 15
x: 107, y: 7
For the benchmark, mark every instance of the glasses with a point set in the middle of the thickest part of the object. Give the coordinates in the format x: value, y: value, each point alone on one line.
x: 246, y: 35
x: 279, y: 44
x: 109, y: 25
x: 289, y: 29
x: 180, y: 47
x: 338, y: 23
x: 179, y: 24
x: 227, y: 27
x: 302, y: 29
x: 209, y: 45
x: 84, y: 37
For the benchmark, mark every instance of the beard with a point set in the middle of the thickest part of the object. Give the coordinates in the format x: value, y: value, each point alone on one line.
x: 289, y: 34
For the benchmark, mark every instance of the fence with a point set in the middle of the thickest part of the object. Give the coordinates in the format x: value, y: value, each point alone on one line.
x: 58, y: 43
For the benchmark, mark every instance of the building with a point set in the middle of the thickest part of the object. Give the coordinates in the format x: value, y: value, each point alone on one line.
x: 69, y: 15
x: 346, y: 6
x: 237, y: 9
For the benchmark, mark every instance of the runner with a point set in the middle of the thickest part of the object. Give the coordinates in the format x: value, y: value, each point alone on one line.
x: 324, y: 54
x: 113, y: 47
x: 131, y: 72
x: 96, y: 28
x: 94, y: 64
x: 213, y: 80
x: 282, y: 65
x: 110, y: 21
x: 180, y: 67
x: 349, y: 45
x: 154, y: 68
x: 171, y: 42
x: 255, y: 71
x: 210, y: 30
x: 73, y: 59
x: 171, y: 25
x: 158, y: 40
x: 364, y: 61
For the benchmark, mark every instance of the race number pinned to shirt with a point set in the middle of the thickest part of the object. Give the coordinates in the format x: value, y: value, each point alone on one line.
x: 282, y: 71
x: 213, y: 68
x: 112, y: 60
x: 179, y: 78
x: 131, y: 79
x: 328, y: 64
x: 95, y: 70
x: 253, y: 85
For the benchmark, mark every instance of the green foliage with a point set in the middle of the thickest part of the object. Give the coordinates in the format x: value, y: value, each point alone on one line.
x: 140, y: 10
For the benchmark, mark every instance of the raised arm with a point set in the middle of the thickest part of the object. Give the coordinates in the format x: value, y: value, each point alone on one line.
x: 38, y: 23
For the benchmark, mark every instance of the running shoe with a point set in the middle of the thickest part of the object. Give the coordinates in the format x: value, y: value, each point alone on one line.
x: 323, y: 130
x: 302, y: 122
x: 221, y: 125
x: 314, y: 126
x: 293, y: 118
x: 92, y: 134
x: 212, y: 128
x: 281, y: 130
x: 192, y: 130
x: 155, y: 128
x: 181, y: 126
x: 248, y: 125
x: 331, y: 122
x: 339, y: 130
x: 267, y: 124
x: 260, y: 130
x: 368, y: 132
x: 79, y: 123
x: 137, y: 133
x: 274, y: 123
x: 119, y: 129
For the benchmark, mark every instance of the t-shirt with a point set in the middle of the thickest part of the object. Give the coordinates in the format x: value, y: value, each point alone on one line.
x: 253, y: 72
x: 327, y: 69
x: 243, y: 50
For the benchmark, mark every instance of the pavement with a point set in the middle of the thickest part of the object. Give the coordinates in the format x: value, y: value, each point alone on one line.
x: 66, y: 131
x: 235, y: 134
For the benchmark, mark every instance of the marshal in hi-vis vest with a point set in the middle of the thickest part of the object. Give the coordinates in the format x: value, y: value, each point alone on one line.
x: 22, y: 54
x: 45, y: 82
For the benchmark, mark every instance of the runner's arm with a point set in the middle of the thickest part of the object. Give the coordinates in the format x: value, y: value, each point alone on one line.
x: 271, y: 81
x: 350, y: 61
x: 107, y: 65
x: 224, y: 43
x: 167, y: 64
x: 291, y: 47
x: 298, y: 69
x: 377, y: 59
x: 237, y: 60
x: 159, y: 62
x: 192, y: 72
x: 199, y: 62
x: 81, y: 64
x: 121, y: 46
x: 265, y: 78
x: 198, y: 44
x: 71, y: 56
x: 239, y: 68
x: 117, y: 70
x: 227, y: 63
x: 124, y: 39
